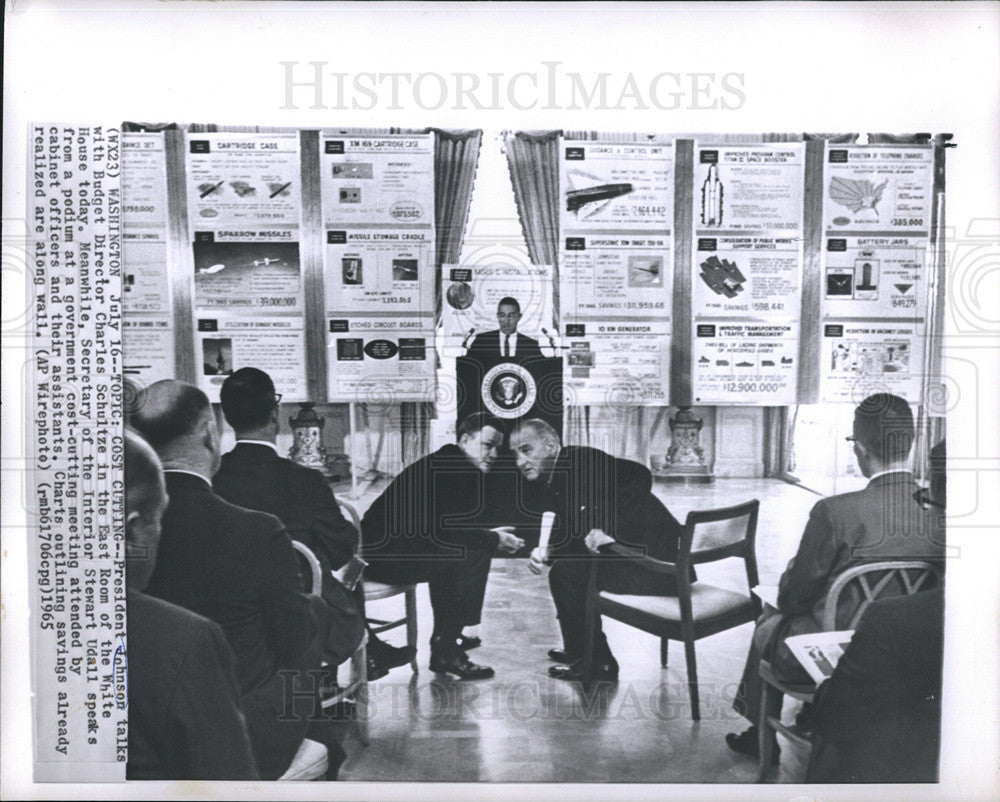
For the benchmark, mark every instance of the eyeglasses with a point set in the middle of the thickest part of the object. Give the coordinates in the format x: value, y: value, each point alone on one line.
x: 851, y: 438
x: 277, y: 399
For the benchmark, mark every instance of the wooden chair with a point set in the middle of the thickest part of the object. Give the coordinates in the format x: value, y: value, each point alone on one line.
x: 356, y: 690
x: 380, y: 590
x: 871, y: 581
x: 699, y: 610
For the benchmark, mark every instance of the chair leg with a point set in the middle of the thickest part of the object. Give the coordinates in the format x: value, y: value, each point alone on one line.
x: 692, y: 672
x: 663, y: 651
x: 360, y: 660
x: 770, y: 706
x: 411, y: 626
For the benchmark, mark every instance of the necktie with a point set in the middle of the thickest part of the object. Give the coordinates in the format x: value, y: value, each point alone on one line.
x: 506, y: 345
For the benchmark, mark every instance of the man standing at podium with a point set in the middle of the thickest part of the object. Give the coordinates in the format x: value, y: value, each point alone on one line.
x: 505, y: 343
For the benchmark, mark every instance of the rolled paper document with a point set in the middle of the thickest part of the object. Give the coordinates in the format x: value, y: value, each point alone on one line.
x: 548, y: 520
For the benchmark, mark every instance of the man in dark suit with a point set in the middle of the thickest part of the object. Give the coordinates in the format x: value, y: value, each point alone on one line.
x: 439, y: 521
x: 185, y: 721
x: 505, y: 343
x: 253, y: 475
x: 882, y: 522
x: 234, y: 566
x: 878, y: 717
x: 598, y: 500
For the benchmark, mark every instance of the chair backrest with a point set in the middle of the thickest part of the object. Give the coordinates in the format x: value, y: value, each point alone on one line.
x: 711, y: 535
x: 351, y: 515
x: 878, y: 581
x: 311, y: 562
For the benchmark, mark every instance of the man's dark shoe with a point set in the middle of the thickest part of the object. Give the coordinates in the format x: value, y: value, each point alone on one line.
x: 748, y: 743
x: 465, y: 642
x: 562, y: 656
x: 604, y: 671
x: 388, y: 656
x: 375, y: 669
x: 458, y: 663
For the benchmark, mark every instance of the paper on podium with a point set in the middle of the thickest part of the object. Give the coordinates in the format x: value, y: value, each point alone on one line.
x: 767, y: 594
x: 548, y: 521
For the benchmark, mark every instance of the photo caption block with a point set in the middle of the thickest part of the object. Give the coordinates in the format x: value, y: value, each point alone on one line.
x: 78, y: 623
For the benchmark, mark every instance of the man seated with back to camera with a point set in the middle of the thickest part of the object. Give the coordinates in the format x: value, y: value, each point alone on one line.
x: 255, y: 476
x: 237, y: 567
x: 877, y: 719
x: 885, y: 521
x: 598, y: 500
x: 440, y: 521
x: 184, y: 716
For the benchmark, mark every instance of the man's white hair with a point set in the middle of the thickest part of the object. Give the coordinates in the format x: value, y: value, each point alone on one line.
x: 537, y: 427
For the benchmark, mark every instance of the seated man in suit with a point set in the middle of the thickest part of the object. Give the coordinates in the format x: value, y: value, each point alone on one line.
x: 439, y: 522
x: 236, y: 567
x: 506, y: 342
x: 184, y: 716
x: 253, y: 475
x: 598, y: 499
x: 882, y: 522
x: 878, y: 717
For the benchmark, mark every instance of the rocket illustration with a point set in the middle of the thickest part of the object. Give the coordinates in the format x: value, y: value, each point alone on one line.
x: 576, y: 199
x: 711, y: 198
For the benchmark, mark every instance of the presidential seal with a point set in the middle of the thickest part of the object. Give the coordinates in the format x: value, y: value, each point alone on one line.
x: 508, y: 391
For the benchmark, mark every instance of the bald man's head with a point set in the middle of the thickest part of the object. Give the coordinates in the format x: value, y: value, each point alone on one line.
x: 176, y: 419
x: 145, y: 501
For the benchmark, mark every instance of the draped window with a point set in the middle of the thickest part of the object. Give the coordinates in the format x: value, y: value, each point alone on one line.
x: 533, y: 160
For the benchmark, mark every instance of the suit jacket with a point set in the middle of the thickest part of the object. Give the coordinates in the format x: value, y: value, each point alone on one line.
x: 881, y: 522
x: 590, y: 489
x: 434, y: 508
x: 487, y: 346
x: 254, y: 476
x: 184, y: 716
x: 238, y: 568
x: 878, y: 717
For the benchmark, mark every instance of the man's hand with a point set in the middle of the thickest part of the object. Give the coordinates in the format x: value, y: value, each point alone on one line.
x: 509, y: 542
x: 595, y: 539
x: 536, y: 564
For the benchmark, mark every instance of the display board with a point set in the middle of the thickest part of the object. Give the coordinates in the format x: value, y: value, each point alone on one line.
x: 472, y: 293
x: 378, y: 266
x: 148, y: 329
x: 746, y: 272
x: 244, y: 209
x: 698, y: 270
x: 616, y: 270
x: 875, y: 269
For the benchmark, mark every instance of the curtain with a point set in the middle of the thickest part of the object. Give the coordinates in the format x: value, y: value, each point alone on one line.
x: 533, y: 161
x: 779, y: 437
x: 456, y: 156
x: 837, y: 139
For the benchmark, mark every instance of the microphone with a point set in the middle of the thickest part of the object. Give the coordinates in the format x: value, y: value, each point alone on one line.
x: 467, y: 336
x: 552, y: 342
